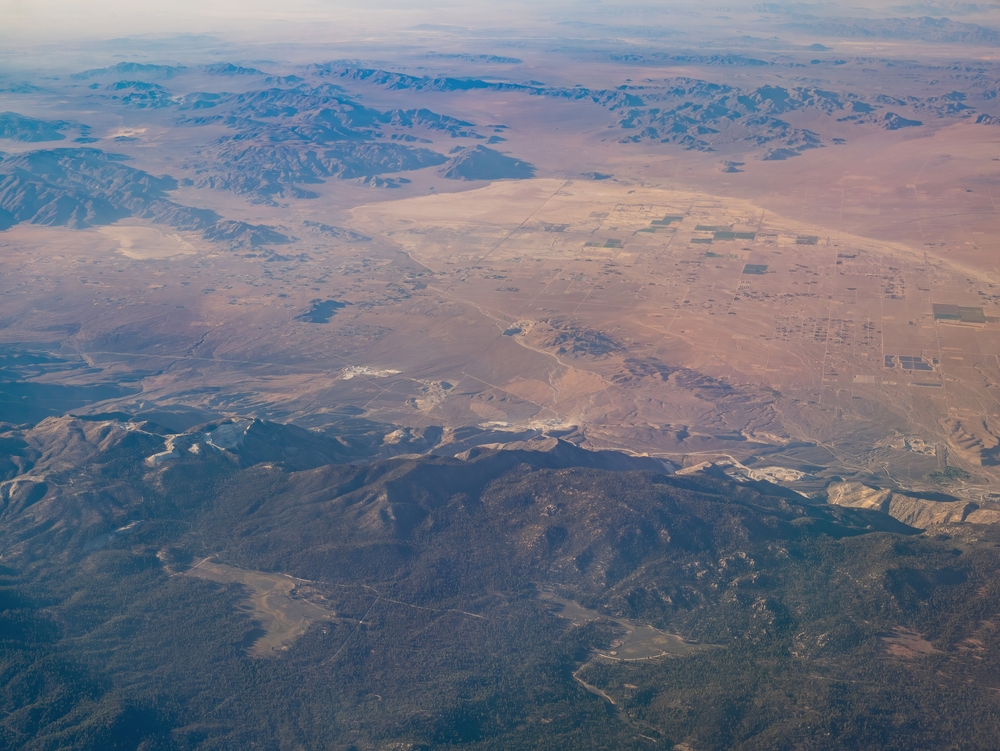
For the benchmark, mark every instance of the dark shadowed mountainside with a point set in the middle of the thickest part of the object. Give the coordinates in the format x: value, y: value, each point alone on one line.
x: 26, y: 129
x: 482, y: 163
x: 239, y: 582
x: 86, y: 187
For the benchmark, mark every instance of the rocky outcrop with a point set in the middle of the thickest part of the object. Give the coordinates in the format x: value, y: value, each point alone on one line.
x: 973, y: 441
x: 916, y: 512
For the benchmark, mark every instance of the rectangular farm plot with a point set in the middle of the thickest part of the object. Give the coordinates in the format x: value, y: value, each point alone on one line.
x: 959, y: 313
x: 758, y: 269
x: 610, y: 244
x: 665, y: 221
x: 914, y: 362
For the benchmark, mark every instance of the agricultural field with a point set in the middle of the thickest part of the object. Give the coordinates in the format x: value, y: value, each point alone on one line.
x: 660, y: 345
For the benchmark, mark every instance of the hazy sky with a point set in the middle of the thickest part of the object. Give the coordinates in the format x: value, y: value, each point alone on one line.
x: 34, y: 21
